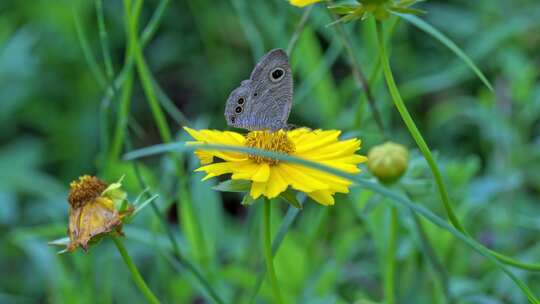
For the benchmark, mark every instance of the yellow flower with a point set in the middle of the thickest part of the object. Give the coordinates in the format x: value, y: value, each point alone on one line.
x: 302, y: 3
x: 271, y: 177
x: 95, y: 210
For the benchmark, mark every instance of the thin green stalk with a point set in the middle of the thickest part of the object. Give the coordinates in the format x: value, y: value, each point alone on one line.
x: 358, y: 74
x: 390, y: 263
x: 267, y: 240
x: 106, y: 52
x: 396, y: 199
x: 288, y: 220
x: 103, y: 37
x: 177, y: 254
x: 125, y: 79
x: 100, y: 79
x: 87, y: 52
x: 122, y: 118
x: 135, y: 275
x: 426, y: 152
x: 115, y: 148
x: 143, y: 72
x: 150, y: 93
x: 125, y: 101
x: 432, y: 256
x: 374, y: 75
x: 298, y: 30
x: 411, y: 126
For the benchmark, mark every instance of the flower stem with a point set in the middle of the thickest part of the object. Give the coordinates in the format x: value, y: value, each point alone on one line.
x: 145, y: 290
x: 358, y: 75
x: 411, y: 126
x: 426, y: 152
x: 268, y: 251
x: 190, y: 218
x: 389, y: 294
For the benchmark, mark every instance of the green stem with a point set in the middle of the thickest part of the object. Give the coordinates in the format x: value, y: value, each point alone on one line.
x: 358, y: 75
x: 123, y: 117
x: 87, y: 52
x: 144, y: 72
x: 426, y: 152
x: 104, y: 40
x: 268, y: 251
x: 411, y: 126
x: 298, y: 30
x: 159, y: 117
x: 390, y: 269
x: 430, y: 254
x: 290, y: 217
x: 178, y: 257
x: 125, y: 101
x: 145, y: 290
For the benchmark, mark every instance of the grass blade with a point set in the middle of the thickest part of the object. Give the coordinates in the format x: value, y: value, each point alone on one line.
x: 396, y: 198
x: 435, y: 33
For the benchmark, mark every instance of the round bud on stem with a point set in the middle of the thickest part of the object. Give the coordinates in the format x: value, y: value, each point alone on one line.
x: 388, y: 161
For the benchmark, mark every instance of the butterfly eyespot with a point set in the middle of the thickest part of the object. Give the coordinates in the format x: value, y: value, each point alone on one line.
x: 255, y: 94
x: 240, y: 100
x: 238, y: 109
x: 233, y: 119
x: 277, y: 74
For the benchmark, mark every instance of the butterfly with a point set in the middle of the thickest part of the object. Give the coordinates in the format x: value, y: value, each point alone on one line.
x: 263, y: 102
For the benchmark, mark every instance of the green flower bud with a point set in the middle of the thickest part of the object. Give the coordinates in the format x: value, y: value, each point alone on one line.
x: 388, y: 161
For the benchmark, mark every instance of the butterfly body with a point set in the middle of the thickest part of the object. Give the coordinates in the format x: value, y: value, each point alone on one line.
x: 263, y: 102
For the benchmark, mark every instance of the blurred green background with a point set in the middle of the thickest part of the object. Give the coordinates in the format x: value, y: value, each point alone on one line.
x: 57, y: 122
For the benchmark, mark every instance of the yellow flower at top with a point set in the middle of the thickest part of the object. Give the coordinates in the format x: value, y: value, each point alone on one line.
x: 271, y: 177
x: 302, y: 3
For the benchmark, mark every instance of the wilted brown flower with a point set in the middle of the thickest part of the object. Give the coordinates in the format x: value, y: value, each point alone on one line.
x: 96, y: 209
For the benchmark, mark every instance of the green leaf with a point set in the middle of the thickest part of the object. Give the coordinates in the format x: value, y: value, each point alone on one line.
x: 395, y: 198
x: 143, y: 205
x: 59, y: 242
x: 233, y: 185
x: 407, y: 10
x: 408, y: 2
x: 343, y: 9
x: 248, y: 200
x: 116, y: 194
x: 435, y: 33
x: 289, y: 196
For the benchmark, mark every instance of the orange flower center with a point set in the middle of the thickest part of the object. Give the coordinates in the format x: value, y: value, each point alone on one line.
x: 270, y: 141
x: 84, y: 190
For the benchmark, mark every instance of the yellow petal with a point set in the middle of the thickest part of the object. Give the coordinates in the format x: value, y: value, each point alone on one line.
x: 322, y: 197
x: 334, y: 150
x: 335, y: 183
x: 276, y: 183
x: 257, y: 189
x: 315, y: 140
x: 262, y: 174
x: 302, y: 3
x: 341, y: 165
x: 295, y: 176
x: 219, y: 138
x: 215, y: 169
x: 296, y: 133
x: 216, y: 137
x: 244, y: 170
x: 205, y: 157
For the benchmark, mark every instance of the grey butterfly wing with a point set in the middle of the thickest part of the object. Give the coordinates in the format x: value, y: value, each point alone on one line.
x: 264, y: 101
x: 237, y: 106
